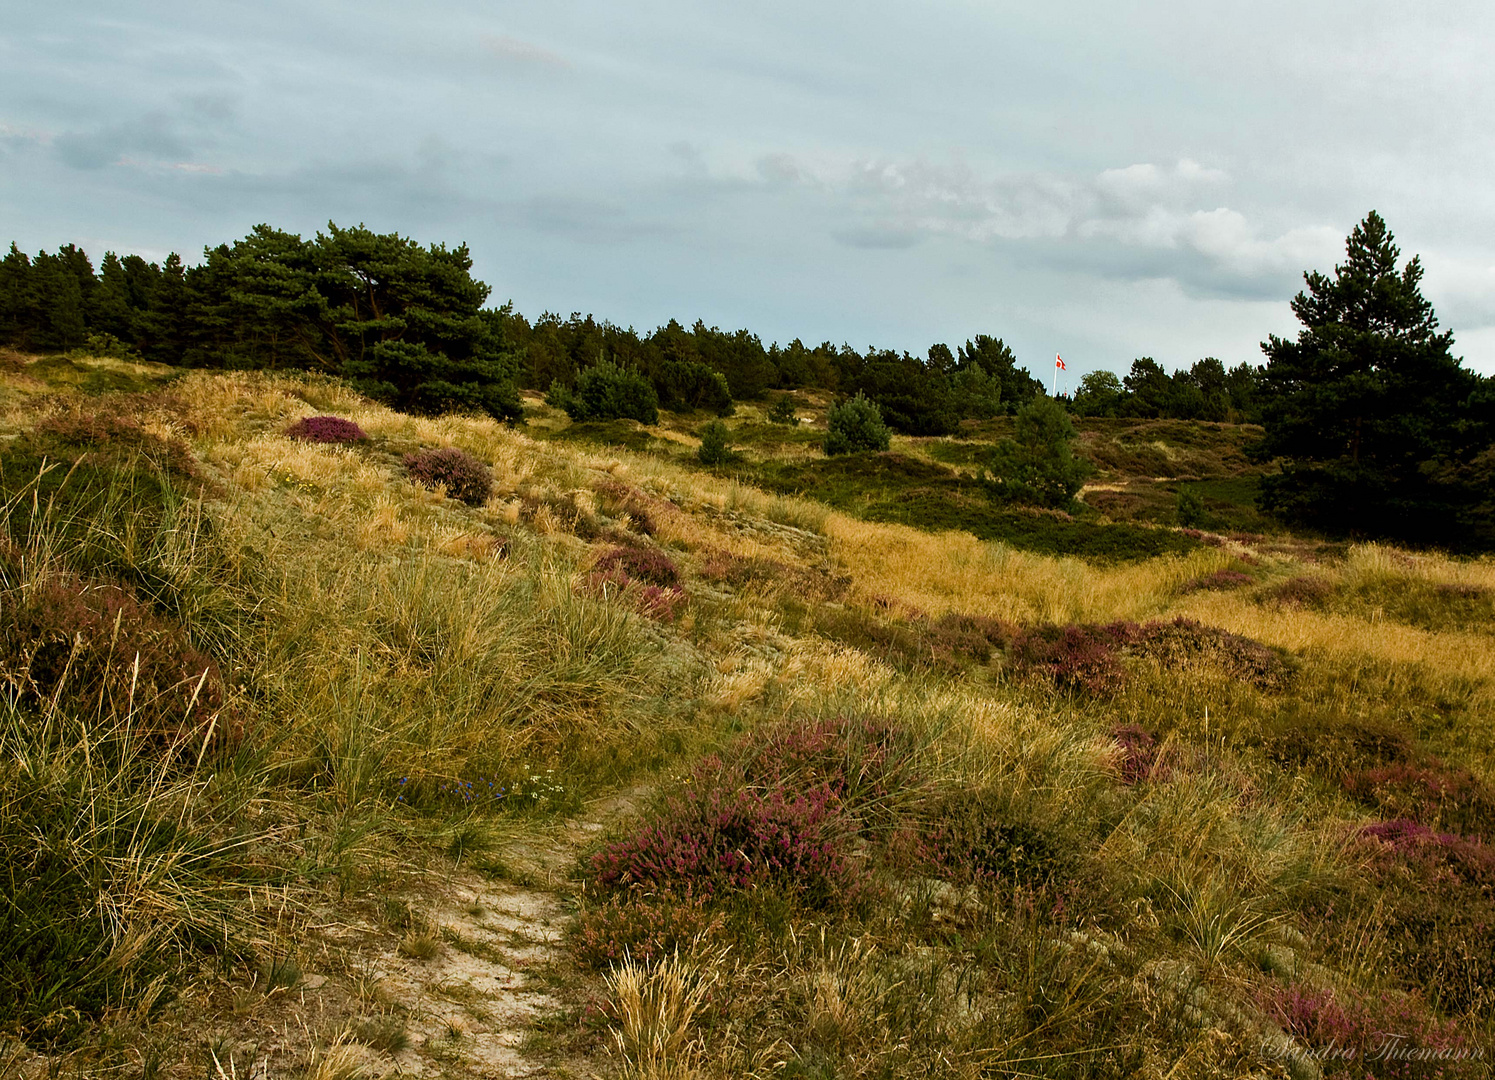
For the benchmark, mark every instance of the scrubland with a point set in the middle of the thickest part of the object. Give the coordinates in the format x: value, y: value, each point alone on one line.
x: 817, y: 794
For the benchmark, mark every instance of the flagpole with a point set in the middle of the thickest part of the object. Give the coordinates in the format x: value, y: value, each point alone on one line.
x: 1055, y: 391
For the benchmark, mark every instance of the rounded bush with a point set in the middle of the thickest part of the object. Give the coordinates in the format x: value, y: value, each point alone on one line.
x: 464, y: 476
x: 715, y: 448
x: 326, y: 429
x: 856, y: 425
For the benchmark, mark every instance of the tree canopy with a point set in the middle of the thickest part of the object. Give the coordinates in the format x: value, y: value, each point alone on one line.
x: 1377, y: 423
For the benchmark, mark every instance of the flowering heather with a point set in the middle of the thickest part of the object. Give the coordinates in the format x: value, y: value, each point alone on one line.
x: 782, y: 808
x: 1183, y: 642
x: 464, y: 476
x: 644, y: 564
x: 326, y: 429
x: 1390, y: 1037
x: 1302, y: 591
x: 1428, y: 792
x: 1139, y: 753
x: 862, y: 761
x: 96, y: 644
x: 1073, y: 657
x: 1435, y: 854
x: 1219, y: 581
x: 643, y: 926
x: 716, y: 841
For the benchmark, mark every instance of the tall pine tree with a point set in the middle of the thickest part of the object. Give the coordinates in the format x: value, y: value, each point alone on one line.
x: 1368, y: 408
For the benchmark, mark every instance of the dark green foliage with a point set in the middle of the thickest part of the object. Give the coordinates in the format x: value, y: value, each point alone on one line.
x: 1017, y: 386
x: 1100, y: 394
x: 782, y: 411
x: 605, y: 391
x: 855, y: 425
x: 1373, y: 416
x: 463, y: 476
x: 1190, y: 509
x: 911, y: 398
x: 1037, y: 467
x: 715, y: 448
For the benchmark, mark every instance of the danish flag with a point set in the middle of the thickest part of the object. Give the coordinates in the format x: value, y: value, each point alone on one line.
x: 1059, y: 362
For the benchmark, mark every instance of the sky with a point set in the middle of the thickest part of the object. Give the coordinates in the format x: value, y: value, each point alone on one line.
x: 1090, y: 179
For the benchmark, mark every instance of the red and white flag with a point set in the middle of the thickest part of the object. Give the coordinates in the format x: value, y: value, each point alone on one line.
x: 1059, y: 362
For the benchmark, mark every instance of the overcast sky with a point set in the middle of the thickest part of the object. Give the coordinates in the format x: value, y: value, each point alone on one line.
x: 1095, y: 179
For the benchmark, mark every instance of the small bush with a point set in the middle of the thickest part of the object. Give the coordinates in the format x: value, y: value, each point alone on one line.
x: 1345, y: 1034
x: 1219, y: 581
x: 717, y: 840
x: 1301, y: 591
x: 856, y: 425
x: 975, y: 837
x: 1430, y: 793
x: 1073, y: 657
x: 463, y: 476
x: 642, y: 926
x: 782, y: 411
x: 715, y: 448
x: 1138, y: 753
x: 643, y: 564
x: 85, y: 645
x: 605, y: 391
x: 785, y: 809
x: 325, y: 429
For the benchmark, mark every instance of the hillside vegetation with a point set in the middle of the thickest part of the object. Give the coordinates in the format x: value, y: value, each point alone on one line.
x: 815, y: 767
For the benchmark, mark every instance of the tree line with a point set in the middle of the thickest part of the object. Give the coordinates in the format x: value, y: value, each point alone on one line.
x: 1376, y: 428
x: 409, y: 324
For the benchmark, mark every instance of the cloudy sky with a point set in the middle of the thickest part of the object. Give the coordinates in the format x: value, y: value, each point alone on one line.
x: 1100, y: 180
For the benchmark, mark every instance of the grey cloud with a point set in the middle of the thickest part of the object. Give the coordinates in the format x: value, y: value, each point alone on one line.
x: 592, y: 221
x: 152, y: 135
x: 891, y: 237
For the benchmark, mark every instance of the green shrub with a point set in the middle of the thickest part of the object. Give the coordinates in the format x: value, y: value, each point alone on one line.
x: 856, y: 425
x: 715, y: 449
x: 605, y: 391
x: 1037, y: 467
x: 782, y: 411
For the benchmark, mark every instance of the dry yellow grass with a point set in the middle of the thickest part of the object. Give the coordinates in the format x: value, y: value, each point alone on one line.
x: 1342, y: 637
x: 954, y: 571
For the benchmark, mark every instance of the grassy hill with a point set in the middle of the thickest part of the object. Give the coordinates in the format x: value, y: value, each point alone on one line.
x: 794, y: 767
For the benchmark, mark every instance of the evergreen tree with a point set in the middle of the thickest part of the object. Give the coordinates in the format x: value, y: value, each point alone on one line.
x: 855, y: 425
x: 1037, y: 466
x: 1018, y: 386
x: 1368, y: 408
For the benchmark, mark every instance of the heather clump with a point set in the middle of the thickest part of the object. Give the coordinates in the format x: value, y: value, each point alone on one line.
x: 644, y: 926
x: 638, y: 563
x: 1137, y: 753
x: 1301, y: 591
x: 983, y: 838
x: 326, y: 429
x: 1185, y: 643
x: 1219, y: 581
x: 642, y: 510
x: 790, y: 809
x: 1073, y: 657
x: 1429, y: 792
x: 463, y: 476
x: 1435, y: 894
x: 1384, y: 1036
x: 721, y: 840
x: 67, y: 642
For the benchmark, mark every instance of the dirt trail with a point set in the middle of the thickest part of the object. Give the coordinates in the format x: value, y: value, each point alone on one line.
x: 444, y: 978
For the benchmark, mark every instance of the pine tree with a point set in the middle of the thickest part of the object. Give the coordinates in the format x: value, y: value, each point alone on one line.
x: 1368, y: 406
